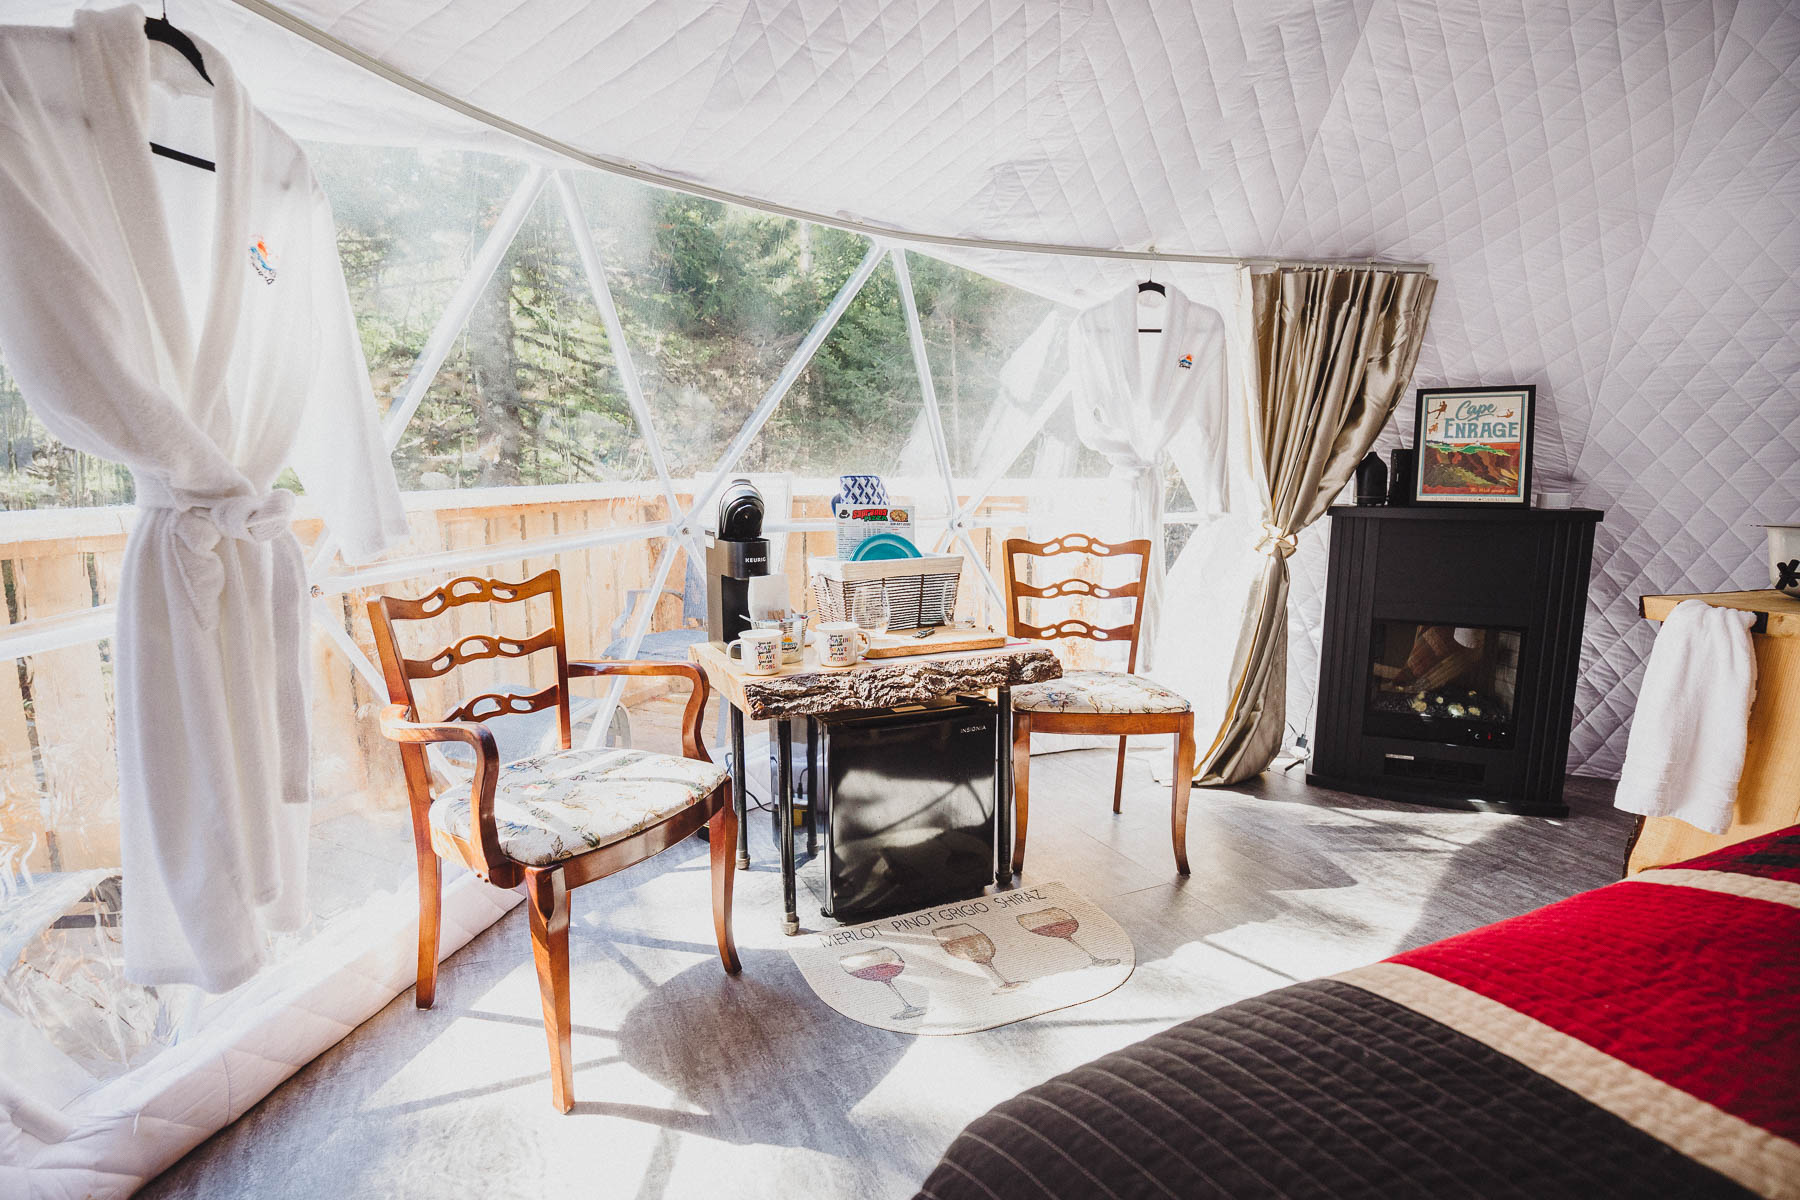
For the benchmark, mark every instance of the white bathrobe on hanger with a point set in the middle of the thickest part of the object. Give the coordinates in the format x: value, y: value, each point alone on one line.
x: 1181, y: 408
x: 195, y: 327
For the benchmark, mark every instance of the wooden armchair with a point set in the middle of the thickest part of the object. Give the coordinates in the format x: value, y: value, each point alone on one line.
x: 553, y: 821
x: 1102, y: 702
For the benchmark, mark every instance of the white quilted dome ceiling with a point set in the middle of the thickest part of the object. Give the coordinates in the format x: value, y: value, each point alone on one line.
x: 1607, y: 190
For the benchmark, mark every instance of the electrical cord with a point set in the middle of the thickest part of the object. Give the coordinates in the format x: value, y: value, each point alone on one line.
x: 749, y: 792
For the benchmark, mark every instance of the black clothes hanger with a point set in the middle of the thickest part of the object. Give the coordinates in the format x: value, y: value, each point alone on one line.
x: 158, y: 29
x: 1150, y: 285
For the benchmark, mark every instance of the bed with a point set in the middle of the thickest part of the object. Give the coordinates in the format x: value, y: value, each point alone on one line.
x: 1639, y: 1039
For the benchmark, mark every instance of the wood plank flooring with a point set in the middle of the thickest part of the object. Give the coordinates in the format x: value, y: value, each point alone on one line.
x: 693, y: 1084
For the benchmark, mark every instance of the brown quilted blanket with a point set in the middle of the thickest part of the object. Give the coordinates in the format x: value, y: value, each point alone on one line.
x: 1639, y: 1040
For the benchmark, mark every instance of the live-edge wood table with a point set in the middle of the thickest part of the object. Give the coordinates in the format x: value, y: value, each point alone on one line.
x: 806, y: 689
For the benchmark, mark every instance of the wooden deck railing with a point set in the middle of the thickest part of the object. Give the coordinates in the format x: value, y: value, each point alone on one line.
x: 58, y: 776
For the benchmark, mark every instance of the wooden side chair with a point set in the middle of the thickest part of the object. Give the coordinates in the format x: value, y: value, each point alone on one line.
x: 1102, y: 702
x: 555, y: 820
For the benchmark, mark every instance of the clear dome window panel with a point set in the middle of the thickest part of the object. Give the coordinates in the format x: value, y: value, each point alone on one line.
x: 1177, y: 500
x: 1176, y: 497
x: 995, y: 352
x: 66, y: 1008
x: 64, y: 1005
x: 531, y: 393
x: 857, y: 408
x: 38, y: 471
x: 714, y: 300
x: 410, y: 221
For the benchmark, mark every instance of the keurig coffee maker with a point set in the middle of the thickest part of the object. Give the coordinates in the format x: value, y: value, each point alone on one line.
x: 736, y: 551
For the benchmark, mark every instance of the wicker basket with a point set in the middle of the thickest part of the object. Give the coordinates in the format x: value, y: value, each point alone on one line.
x: 920, y: 591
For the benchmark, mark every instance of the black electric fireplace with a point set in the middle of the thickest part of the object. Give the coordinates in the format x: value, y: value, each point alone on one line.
x: 1456, y: 684
x: 1451, y: 642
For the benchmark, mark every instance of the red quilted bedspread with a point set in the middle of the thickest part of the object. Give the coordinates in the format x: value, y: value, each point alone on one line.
x: 1671, y: 999
x: 1696, y: 989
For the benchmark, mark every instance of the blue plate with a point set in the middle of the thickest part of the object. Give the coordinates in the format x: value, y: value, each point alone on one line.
x: 885, y: 546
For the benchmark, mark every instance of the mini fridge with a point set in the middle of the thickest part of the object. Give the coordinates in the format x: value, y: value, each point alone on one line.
x: 908, y: 806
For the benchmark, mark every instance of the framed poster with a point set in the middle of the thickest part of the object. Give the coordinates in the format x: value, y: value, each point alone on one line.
x: 1473, y: 445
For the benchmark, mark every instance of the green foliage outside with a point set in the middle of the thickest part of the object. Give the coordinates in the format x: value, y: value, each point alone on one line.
x: 37, y: 471
x: 713, y: 299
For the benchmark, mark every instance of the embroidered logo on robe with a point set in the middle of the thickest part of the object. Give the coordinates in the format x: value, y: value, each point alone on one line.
x: 1185, y: 362
x: 263, y: 259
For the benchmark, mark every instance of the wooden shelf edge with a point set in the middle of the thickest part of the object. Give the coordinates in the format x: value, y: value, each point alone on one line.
x: 1781, y: 611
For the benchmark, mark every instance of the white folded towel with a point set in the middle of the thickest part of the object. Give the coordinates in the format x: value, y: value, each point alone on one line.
x: 1686, y: 751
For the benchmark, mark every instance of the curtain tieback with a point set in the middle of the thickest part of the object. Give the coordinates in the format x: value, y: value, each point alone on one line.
x: 199, y: 528
x: 1276, y: 541
x: 1129, y: 465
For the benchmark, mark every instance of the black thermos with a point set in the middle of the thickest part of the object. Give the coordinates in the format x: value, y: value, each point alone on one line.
x: 1371, y: 480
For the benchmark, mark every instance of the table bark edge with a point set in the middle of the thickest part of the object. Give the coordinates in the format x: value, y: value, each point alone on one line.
x: 890, y: 682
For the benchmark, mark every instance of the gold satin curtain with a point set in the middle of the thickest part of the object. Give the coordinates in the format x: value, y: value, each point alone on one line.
x: 1335, y: 349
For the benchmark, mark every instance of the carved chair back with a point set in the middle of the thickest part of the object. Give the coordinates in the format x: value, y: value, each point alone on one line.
x: 400, y: 671
x: 1076, y: 586
x: 547, y: 885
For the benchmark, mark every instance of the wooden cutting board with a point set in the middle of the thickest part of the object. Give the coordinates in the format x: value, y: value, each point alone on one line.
x: 942, y: 641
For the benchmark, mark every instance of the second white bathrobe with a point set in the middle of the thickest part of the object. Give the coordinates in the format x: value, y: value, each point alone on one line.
x: 1136, y: 421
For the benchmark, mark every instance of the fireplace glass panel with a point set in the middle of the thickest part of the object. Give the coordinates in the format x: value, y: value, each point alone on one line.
x: 1443, y: 683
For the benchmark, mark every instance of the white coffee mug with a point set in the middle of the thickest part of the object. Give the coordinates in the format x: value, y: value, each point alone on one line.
x: 760, y: 649
x: 841, y: 644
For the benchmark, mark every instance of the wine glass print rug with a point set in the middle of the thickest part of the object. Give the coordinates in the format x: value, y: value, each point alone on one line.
x: 969, y: 965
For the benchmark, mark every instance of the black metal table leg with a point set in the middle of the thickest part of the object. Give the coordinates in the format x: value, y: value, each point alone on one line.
x: 784, y: 792
x: 813, y: 789
x: 1003, y: 789
x: 739, y: 792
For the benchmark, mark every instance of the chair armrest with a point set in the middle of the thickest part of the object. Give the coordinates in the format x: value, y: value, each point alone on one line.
x: 637, y: 667
x: 691, y: 716
x: 397, y: 726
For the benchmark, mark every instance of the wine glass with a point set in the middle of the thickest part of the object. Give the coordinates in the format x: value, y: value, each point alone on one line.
x: 1061, y: 923
x: 971, y: 945
x: 870, y: 610
x: 879, y: 965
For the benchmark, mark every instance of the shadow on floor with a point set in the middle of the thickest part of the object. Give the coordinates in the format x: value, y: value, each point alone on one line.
x: 693, y: 1084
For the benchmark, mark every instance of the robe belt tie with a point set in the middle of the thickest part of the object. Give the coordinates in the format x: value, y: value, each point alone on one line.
x: 199, y: 528
x: 1276, y: 541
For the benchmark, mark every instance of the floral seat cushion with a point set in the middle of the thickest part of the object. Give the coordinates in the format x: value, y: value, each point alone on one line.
x: 1098, y: 692
x: 558, y: 804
